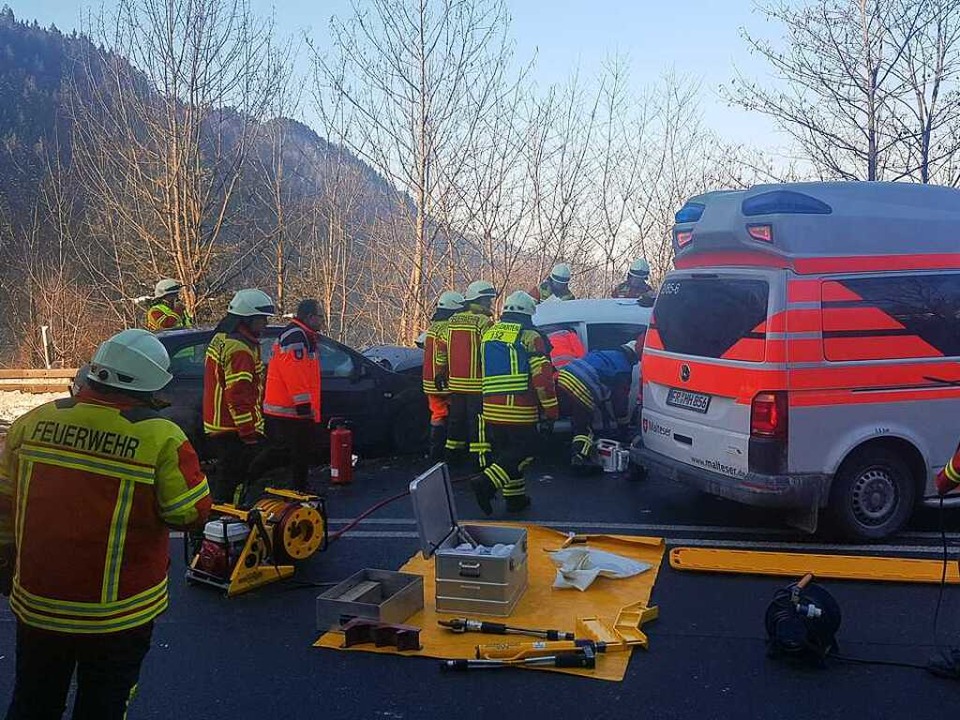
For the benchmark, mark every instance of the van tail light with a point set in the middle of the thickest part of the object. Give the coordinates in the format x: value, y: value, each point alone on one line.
x: 768, y: 415
x: 767, y: 453
x: 763, y: 233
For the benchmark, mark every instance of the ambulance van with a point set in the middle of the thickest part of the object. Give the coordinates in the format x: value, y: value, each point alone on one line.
x: 805, y: 352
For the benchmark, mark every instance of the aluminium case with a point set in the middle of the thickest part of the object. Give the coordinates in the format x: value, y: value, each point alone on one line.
x: 466, y: 583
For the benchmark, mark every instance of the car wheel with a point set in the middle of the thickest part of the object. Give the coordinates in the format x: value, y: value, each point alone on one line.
x: 872, y: 495
x: 410, y: 431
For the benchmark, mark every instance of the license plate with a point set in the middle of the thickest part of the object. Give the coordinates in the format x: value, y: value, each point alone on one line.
x: 698, y: 402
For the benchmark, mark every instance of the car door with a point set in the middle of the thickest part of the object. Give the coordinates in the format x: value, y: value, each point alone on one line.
x: 350, y: 390
x: 185, y: 391
x: 609, y: 336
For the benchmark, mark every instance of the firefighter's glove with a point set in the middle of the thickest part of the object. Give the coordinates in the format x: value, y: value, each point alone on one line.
x: 944, y: 484
x: 8, y: 560
x: 304, y: 410
x: 545, y: 427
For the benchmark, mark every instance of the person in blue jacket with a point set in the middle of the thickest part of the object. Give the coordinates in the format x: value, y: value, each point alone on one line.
x: 599, y: 381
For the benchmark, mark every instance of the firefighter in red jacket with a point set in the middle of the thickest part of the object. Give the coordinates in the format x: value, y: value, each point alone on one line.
x: 636, y: 285
x: 465, y: 375
x: 89, y: 487
x: 557, y: 285
x: 167, y: 312
x: 292, y: 397
x: 518, y: 394
x: 233, y: 388
x: 436, y: 372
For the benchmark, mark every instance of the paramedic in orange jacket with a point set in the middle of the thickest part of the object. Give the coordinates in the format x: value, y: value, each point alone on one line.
x: 565, y: 347
x: 465, y: 375
x: 233, y: 386
x: 436, y: 371
x: 89, y: 488
x: 292, y: 397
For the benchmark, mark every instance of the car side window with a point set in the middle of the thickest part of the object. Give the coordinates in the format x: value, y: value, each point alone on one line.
x: 335, y: 362
x: 607, y: 336
x: 188, y: 360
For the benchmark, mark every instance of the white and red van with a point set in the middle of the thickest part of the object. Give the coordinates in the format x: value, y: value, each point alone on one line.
x: 805, y: 352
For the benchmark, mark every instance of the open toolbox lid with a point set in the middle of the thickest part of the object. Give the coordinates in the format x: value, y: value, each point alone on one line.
x: 434, y: 508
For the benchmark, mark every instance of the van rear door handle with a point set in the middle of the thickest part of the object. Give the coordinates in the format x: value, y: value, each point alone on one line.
x: 683, y: 438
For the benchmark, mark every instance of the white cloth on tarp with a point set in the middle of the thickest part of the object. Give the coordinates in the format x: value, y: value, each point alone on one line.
x: 498, y: 550
x: 578, y: 567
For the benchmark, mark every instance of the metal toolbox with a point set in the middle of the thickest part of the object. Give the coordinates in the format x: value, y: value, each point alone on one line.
x: 466, y: 582
x: 381, y: 595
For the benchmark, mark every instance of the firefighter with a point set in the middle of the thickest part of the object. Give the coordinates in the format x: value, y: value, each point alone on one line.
x: 518, y: 395
x: 89, y: 487
x: 949, y: 477
x: 600, y: 380
x: 292, y: 396
x: 557, y: 285
x: 565, y: 347
x: 167, y: 312
x: 462, y: 337
x: 435, y: 372
x: 636, y: 285
x: 233, y: 389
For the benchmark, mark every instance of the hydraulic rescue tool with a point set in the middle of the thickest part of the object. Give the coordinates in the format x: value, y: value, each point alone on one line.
x: 462, y: 625
x: 245, y: 549
x: 540, y: 648
x: 583, y: 657
x: 802, y: 622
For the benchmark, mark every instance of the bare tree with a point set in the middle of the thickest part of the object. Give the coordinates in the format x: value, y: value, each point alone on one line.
x: 838, y: 88
x: 419, y: 76
x: 164, y: 127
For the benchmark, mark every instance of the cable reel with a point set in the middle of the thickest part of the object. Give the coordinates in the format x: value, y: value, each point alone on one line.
x: 802, y: 622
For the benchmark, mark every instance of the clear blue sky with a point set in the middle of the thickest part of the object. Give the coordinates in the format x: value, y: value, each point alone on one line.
x: 700, y: 38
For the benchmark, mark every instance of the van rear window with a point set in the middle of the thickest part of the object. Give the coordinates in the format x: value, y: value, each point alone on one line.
x: 713, y: 317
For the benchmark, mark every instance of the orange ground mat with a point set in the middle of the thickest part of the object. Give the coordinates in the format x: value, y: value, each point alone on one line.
x: 540, y: 607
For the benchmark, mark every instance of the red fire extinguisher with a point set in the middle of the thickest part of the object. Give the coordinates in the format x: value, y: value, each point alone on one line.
x: 341, y: 452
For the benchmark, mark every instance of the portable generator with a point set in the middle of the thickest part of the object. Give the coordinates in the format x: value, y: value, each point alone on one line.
x: 240, y: 550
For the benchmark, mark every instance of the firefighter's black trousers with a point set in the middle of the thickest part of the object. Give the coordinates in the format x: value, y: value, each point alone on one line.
x: 107, y: 667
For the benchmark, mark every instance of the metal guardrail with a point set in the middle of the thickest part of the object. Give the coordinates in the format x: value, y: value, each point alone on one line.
x: 37, y: 381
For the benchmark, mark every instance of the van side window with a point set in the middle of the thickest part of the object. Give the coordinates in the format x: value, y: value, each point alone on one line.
x: 713, y: 317
x: 891, y: 317
x: 608, y: 336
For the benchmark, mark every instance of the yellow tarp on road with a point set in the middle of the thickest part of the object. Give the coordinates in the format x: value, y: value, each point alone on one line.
x: 540, y: 607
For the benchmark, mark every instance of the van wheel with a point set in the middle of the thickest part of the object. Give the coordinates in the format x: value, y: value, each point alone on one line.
x: 872, y: 495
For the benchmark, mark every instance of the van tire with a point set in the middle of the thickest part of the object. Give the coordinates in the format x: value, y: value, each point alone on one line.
x: 872, y: 495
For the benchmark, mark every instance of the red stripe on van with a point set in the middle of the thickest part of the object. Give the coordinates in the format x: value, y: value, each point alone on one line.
x: 836, y: 292
x: 878, y: 348
x: 653, y: 339
x: 746, y: 349
x: 856, y: 319
x: 877, y: 263
x: 804, y: 350
x: 803, y: 321
x: 740, y: 383
x: 732, y: 258
x: 803, y: 291
x: 847, y: 397
x: 832, y: 377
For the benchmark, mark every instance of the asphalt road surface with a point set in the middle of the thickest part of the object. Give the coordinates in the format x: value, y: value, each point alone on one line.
x: 251, y: 656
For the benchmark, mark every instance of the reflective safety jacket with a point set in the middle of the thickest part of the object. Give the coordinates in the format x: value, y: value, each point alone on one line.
x: 518, y: 385
x: 88, y: 488
x: 161, y: 316
x: 463, y: 335
x: 565, y: 347
x: 950, y: 472
x: 598, y: 378
x: 544, y: 291
x: 293, y: 377
x: 625, y: 290
x: 233, y: 385
x: 435, y: 370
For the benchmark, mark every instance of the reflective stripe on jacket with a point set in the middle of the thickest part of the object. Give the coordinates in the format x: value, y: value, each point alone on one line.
x: 233, y: 385
x: 518, y: 384
x: 293, y: 376
x: 435, y: 358
x: 89, y: 486
x: 463, y: 336
x: 599, y: 377
x: 951, y: 471
x: 161, y: 316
